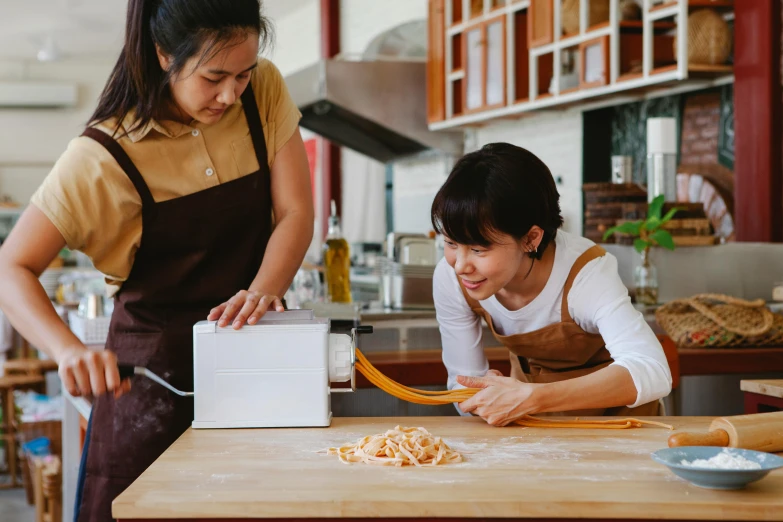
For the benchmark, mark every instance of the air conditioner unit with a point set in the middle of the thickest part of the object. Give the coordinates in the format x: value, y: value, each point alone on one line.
x: 37, y: 95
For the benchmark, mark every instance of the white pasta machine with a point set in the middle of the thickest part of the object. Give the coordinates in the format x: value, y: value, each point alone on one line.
x: 274, y: 374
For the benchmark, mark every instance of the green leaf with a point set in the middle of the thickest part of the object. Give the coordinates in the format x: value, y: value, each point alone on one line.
x: 663, y: 238
x: 669, y: 215
x: 640, y: 244
x: 652, y: 223
x: 654, y: 210
x: 631, y: 228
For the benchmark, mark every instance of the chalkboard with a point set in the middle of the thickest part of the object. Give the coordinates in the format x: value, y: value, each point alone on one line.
x: 726, y: 130
x: 629, y: 129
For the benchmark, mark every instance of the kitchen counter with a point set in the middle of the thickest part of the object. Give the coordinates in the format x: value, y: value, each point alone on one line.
x: 509, y: 472
x: 371, y: 315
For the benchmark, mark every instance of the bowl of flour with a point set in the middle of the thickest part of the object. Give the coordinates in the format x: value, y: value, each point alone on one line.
x: 718, y: 468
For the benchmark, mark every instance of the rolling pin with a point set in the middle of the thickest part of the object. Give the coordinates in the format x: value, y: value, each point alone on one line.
x: 759, y: 431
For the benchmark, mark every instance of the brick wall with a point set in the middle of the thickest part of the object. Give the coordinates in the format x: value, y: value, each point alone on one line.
x: 700, y: 124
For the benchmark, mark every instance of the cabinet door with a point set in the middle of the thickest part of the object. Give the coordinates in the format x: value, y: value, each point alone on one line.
x: 496, y: 66
x: 540, y: 30
x: 474, y: 69
x: 436, y: 75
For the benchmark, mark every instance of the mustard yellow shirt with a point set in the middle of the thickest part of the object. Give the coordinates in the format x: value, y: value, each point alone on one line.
x: 93, y: 203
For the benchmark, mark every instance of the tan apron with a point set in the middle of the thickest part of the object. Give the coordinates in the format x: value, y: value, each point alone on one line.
x: 561, y: 351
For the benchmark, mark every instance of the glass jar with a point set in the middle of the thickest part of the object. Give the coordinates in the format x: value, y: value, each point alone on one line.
x: 646, y: 280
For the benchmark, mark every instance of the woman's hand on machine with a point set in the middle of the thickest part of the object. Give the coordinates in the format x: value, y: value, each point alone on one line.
x: 89, y: 373
x: 247, y: 306
x: 502, y: 399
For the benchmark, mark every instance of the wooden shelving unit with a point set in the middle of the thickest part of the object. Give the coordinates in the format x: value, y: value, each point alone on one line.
x: 544, y: 68
x: 695, y: 4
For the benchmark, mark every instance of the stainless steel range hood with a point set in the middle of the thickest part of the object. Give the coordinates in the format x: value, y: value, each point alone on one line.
x: 378, y: 108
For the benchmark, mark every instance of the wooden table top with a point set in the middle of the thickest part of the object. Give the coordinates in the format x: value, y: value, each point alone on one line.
x: 770, y: 387
x: 509, y: 472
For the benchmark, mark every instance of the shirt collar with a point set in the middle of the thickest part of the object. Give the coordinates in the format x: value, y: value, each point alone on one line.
x: 170, y: 129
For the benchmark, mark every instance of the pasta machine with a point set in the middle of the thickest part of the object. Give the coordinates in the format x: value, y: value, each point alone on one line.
x: 276, y: 373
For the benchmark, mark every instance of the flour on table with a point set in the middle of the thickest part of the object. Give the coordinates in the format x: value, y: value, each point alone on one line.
x: 723, y: 460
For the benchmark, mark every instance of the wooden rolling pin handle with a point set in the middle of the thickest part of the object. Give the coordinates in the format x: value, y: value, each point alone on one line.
x: 713, y: 438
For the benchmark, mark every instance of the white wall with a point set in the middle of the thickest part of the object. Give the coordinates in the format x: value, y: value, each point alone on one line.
x: 363, y: 20
x: 416, y: 181
x: 32, y: 140
x: 297, y: 37
x: 556, y: 138
x: 364, y: 198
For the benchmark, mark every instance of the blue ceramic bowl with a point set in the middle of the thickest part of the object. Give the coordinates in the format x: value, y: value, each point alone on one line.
x: 716, y: 478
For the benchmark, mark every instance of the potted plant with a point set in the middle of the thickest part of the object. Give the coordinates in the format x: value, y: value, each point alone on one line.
x: 647, y: 233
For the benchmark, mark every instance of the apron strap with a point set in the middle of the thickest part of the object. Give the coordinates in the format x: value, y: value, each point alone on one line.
x: 256, y: 129
x: 122, y: 158
x: 591, y: 253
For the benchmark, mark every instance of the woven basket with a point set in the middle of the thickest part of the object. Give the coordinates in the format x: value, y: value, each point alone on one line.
x: 569, y: 14
x: 709, y: 38
x: 714, y: 320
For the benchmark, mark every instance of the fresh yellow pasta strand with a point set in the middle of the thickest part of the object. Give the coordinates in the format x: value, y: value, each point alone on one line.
x: 426, y: 397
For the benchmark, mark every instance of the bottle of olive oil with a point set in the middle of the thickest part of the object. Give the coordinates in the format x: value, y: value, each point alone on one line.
x: 337, y: 262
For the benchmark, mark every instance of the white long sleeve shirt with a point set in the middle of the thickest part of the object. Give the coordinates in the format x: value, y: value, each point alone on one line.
x: 598, y: 302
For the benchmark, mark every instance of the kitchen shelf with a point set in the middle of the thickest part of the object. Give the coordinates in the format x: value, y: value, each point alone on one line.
x: 565, y: 91
x: 661, y: 7
x: 658, y: 27
x: 575, y: 39
x: 509, y: 8
x: 710, y: 71
x: 630, y: 64
x: 629, y: 76
x: 695, y: 4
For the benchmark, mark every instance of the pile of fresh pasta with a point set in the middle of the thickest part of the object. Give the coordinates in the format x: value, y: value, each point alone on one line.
x: 398, y: 447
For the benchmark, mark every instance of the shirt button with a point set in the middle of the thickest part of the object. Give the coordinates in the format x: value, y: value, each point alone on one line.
x: 195, y: 132
x: 210, y: 172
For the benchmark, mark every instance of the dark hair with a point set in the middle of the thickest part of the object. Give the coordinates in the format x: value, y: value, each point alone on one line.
x: 181, y: 28
x: 500, y: 189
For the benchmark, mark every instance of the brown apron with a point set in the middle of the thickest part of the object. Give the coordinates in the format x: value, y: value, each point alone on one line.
x: 561, y: 350
x: 196, y: 252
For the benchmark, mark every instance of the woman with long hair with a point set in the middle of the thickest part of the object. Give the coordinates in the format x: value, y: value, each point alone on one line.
x: 190, y: 190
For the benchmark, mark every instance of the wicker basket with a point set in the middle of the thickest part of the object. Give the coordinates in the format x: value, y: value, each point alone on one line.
x: 714, y: 320
x: 709, y: 38
x: 599, y: 13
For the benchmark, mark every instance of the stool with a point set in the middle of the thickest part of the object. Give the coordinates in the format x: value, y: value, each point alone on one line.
x: 8, y: 384
x: 762, y: 396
